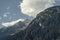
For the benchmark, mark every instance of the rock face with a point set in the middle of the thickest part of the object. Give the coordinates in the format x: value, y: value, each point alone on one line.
x: 46, y: 26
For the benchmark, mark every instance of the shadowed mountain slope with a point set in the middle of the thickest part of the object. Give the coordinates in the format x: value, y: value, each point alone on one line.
x: 46, y: 26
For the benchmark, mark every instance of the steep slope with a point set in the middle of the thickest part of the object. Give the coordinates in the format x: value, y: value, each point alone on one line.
x: 46, y: 26
x: 4, y: 32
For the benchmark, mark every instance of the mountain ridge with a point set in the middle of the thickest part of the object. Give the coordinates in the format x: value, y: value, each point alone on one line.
x: 46, y: 26
x: 11, y: 30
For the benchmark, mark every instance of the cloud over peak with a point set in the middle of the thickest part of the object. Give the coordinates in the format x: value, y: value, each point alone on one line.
x: 7, y: 24
x: 33, y: 7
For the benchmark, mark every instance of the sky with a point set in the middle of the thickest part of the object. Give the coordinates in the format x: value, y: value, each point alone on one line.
x: 12, y: 10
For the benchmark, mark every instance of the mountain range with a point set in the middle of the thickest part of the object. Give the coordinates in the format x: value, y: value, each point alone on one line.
x: 46, y: 26
x: 11, y: 30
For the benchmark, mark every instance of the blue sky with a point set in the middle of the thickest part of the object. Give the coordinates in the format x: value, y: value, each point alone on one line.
x: 57, y: 2
x: 10, y: 11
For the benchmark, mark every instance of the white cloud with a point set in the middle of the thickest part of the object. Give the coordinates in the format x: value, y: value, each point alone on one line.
x: 33, y: 7
x: 0, y: 17
x: 6, y: 14
x: 8, y: 8
x: 7, y: 24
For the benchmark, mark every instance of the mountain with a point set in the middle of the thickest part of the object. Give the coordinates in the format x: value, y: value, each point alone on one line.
x: 11, y: 30
x: 46, y: 26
